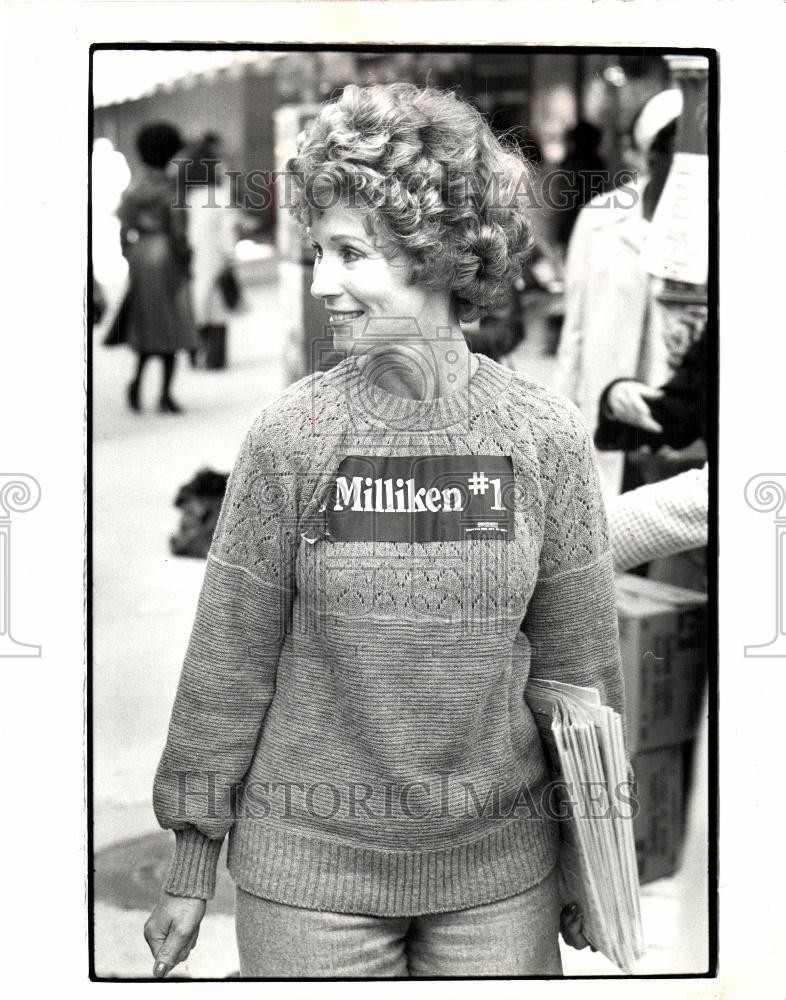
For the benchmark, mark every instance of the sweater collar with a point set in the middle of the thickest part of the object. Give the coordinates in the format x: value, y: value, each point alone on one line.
x: 377, y: 406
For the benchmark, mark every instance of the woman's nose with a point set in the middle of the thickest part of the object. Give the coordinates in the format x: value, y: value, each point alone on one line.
x: 324, y: 283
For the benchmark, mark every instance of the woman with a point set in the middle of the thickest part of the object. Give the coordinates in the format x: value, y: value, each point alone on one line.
x: 157, y: 315
x: 212, y: 237
x: 610, y: 326
x: 351, y: 706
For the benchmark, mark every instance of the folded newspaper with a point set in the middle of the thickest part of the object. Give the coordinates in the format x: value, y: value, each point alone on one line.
x: 584, y: 743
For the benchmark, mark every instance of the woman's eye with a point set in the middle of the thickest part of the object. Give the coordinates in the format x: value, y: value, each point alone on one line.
x: 348, y: 254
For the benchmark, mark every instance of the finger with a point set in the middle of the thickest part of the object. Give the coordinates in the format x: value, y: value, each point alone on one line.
x: 155, y: 934
x: 568, y: 912
x: 160, y: 969
x: 182, y: 956
x: 639, y: 407
x: 644, y: 419
x: 585, y: 939
x: 564, y: 924
x: 668, y: 454
x: 619, y: 400
x: 186, y: 950
x: 623, y: 408
x: 649, y: 392
x: 567, y: 936
x: 189, y: 947
x: 649, y: 423
x: 167, y: 956
x: 627, y: 414
x: 574, y: 937
x: 577, y: 932
x: 571, y: 925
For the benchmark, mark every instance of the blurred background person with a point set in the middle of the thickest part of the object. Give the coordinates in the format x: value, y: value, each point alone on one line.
x: 498, y: 332
x: 156, y: 314
x: 632, y: 414
x: 607, y: 330
x: 212, y: 237
x: 110, y: 176
x: 583, y: 174
x: 665, y: 421
x: 659, y: 519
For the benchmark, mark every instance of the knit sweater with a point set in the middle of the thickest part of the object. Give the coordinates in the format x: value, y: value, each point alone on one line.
x: 659, y: 519
x: 385, y: 575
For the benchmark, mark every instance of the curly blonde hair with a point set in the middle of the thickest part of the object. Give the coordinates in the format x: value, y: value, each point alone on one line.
x: 434, y: 180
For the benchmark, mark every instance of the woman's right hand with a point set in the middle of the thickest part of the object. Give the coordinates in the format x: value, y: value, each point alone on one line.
x: 172, y: 929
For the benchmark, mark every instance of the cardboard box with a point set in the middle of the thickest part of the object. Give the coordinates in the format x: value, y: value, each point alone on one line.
x: 658, y: 826
x: 664, y: 660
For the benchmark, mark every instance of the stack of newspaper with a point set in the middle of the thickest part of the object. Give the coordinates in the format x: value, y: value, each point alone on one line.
x: 584, y: 742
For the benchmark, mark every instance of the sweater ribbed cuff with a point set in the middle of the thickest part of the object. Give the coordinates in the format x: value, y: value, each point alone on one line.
x: 193, y: 869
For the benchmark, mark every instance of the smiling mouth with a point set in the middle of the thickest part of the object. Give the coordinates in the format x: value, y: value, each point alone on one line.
x: 340, y: 318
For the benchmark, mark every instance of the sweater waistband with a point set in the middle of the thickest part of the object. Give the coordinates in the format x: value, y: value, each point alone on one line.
x: 290, y: 868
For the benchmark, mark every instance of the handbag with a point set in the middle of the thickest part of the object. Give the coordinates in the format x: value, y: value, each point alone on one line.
x: 118, y: 329
x: 229, y: 287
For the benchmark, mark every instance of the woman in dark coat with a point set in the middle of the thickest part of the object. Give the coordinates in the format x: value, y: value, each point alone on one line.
x: 158, y: 318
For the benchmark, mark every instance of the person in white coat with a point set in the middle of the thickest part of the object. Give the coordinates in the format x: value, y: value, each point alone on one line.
x: 211, y: 233
x: 608, y: 330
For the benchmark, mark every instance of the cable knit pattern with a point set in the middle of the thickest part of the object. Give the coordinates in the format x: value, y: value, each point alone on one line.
x: 352, y: 712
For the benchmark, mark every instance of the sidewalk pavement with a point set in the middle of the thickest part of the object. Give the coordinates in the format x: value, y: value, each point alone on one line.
x: 143, y: 604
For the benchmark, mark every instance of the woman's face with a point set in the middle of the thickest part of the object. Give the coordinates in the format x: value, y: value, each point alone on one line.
x: 365, y: 290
